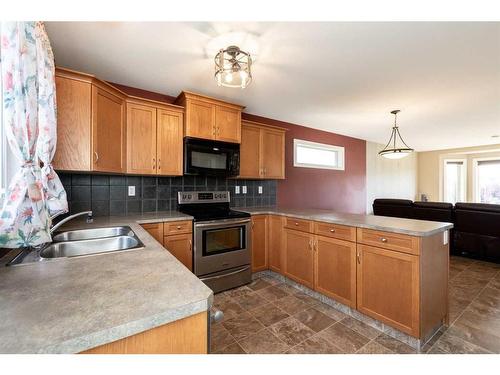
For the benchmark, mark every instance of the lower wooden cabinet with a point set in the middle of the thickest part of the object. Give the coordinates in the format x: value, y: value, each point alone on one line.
x: 259, y: 243
x: 275, y: 245
x: 388, y: 287
x: 299, y: 264
x: 156, y: 230
x: 335, y: 269
x: 180, y: 245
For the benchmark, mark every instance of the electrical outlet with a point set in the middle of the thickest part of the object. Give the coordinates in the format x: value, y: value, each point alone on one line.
x: 131, y: 191
x: 260, y: 189
x: 236, y: 189
x: 244, y: 188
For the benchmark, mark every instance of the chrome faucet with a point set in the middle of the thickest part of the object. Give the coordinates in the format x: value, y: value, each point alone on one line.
x: 71, y: 217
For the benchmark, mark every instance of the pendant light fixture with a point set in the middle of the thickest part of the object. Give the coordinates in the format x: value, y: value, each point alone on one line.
x: 396, y: 148
x: 233, y: 67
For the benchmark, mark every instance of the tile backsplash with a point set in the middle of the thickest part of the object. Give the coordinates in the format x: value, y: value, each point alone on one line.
x: 108, y: 194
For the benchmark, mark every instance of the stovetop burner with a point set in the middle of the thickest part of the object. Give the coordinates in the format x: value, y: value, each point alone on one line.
x: 208, y: 205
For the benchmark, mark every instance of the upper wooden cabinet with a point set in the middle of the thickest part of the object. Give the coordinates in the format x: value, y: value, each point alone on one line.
x: 209, y: 118
x: 154, y: 138
x: 90, y: 124
x: 262, y: 152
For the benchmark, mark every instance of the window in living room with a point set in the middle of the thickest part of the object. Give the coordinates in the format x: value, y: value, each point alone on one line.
x: 454, y: 180
x: 487, y: 180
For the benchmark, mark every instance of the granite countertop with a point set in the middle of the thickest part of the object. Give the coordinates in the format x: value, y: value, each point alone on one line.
x: 420, y: 228
x: 70, y: 305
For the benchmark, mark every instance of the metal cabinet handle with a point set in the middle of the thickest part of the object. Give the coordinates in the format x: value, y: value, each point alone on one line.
x: 190, y: 245
x: 383, y: 239
x: 178, y: 227
x: 358, y: 257
x: 154, y: 163
x: 96, y: 157
x: 332, y: 230
x: 315, y: 245
x: 296, y: 224
x: 159, y: 163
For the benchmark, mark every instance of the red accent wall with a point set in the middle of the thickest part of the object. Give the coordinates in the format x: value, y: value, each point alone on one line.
x: 341, y: 191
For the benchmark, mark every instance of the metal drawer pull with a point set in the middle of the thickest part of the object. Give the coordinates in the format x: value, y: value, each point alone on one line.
x: 226, y: 274
x: 358, y: 258
x: 296, y: 223
x: 178, y: 227
x: 332, y: 230
x: 383, y: 239
x: 96, y: 156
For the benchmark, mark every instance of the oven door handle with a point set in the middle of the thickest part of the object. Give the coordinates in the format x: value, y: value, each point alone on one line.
x: 225, y: 275
x: 218, y: 223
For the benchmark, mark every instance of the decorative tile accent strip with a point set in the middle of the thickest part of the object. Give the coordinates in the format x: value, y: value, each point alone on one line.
x: 398, y: 335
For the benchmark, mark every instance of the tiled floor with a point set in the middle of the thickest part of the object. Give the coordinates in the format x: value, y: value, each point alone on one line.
x: 268, y: 316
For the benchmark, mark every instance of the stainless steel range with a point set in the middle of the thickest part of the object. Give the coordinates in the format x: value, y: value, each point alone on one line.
x: 221, y: 239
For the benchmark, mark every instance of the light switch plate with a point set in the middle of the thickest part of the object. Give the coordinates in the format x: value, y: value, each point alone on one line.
x: 260, y: 189
x: 244, y: 189
x: 236, y: 189
x: 131, y: 191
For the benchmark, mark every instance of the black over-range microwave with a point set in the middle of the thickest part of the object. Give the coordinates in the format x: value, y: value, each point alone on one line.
x: 211, y: 158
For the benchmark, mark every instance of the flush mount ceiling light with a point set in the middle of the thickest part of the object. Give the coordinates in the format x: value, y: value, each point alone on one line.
x: 233, y: 67
x: 394, y: 148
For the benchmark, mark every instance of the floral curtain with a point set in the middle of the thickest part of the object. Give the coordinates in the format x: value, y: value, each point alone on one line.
x: 29, y: 118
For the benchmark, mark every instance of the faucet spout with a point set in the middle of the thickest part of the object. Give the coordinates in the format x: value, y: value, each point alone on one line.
x: 71, y: 217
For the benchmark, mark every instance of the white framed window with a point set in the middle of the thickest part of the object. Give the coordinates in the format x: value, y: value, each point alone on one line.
x: 486, y: 180
x: 308, y: 154
x: 454, y: 180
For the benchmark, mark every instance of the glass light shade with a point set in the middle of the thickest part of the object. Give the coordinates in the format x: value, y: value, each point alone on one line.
x: 399, y: 148
x: 395, y: 154
x: 233, y: 67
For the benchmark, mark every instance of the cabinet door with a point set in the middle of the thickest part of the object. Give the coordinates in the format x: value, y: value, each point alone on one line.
x: 259, y: 243
x: 180, y: 246
x: 200, y: 119
x: 228, y: 124
x: 169, y: 147
x: 250, y: 166
x: 156, y: 230
x: 273, y: 153
x: 335, y: 269
x: 108, y: 131
x: 275, y: 246
x: 299, y: 257
x: 141, y: 139
x: 388, y: 287
x: 73, y: 125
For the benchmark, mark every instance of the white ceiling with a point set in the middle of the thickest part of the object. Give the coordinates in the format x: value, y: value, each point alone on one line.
x: 340, y: 77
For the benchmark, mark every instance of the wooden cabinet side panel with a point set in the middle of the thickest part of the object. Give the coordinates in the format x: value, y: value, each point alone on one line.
x: 273, y: 153
x: 388, y: 287
x: 275, y: 246
x: 335, y: 269
x: 141, y: 139
x: 73, y: 125
x: 180, y: 246
x: 156, y: 230
x: 259, y: 243
x: 169, y: 147
x: 108, y: 131
x: 184, y: 336
x: 434, y: 268
x: 250, y: 152
x: 299, y: 263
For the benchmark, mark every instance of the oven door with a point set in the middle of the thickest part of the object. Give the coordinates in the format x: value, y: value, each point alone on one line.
x: 220, y: 245
x: 212, y: 158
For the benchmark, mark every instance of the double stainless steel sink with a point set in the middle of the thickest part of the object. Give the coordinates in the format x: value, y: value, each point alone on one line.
x: 82, y: 242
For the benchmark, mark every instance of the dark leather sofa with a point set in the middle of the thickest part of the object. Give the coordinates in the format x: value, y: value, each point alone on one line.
x: 476, y: 231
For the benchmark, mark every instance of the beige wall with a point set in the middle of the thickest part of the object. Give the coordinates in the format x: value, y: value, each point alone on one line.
x: 387, y: 178
x: 430, y: 168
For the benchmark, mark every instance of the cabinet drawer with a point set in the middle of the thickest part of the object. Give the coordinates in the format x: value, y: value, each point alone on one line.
x: 342, y: 232
x: 177, y: 227
x: 299, y: 224
x: 392, y: 241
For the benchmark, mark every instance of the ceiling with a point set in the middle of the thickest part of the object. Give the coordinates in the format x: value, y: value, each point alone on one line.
x: 336, y: 76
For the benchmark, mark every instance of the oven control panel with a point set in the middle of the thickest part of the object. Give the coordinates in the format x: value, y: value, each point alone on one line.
x: 186, y: 197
